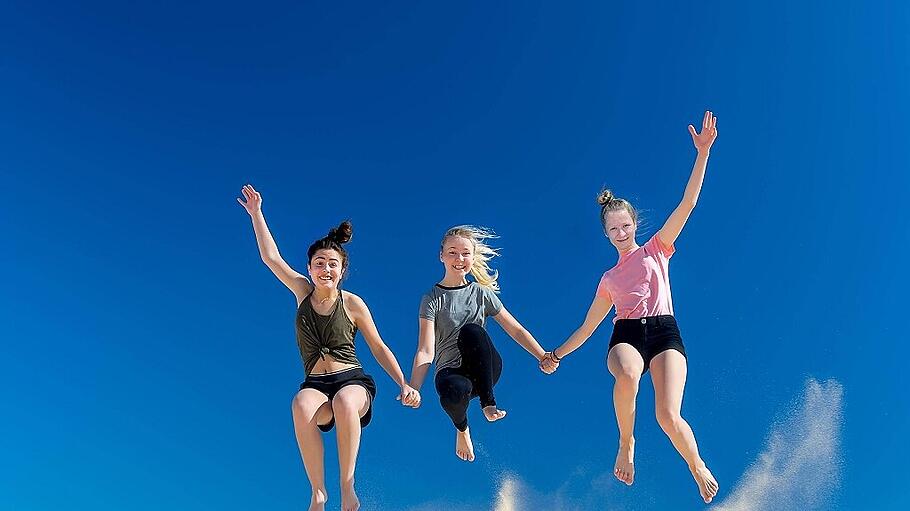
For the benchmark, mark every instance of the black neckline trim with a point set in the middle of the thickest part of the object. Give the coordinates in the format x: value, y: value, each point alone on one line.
x: 451, y: 288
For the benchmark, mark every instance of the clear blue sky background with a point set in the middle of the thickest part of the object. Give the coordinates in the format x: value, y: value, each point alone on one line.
x: 148, y: 358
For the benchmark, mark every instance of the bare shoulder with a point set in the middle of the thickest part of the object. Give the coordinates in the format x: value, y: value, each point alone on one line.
x: 353, y: 299
x: 355, y: 306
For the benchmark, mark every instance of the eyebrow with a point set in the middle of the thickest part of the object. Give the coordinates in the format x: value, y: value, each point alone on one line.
x: 330, y: 259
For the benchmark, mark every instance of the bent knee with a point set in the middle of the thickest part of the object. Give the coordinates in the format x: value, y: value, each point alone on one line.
x: 454, y: 398
x: 628, y: 375
x: 346, y: 404
x: 302, y: 406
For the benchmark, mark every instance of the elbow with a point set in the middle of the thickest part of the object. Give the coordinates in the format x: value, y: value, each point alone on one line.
x: 424, y: 356
x: 270, y: 260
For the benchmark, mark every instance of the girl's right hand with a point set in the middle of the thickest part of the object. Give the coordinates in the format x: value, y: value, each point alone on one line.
x: 548, y: 364
x: 409, y: 396
x: 253, y: 203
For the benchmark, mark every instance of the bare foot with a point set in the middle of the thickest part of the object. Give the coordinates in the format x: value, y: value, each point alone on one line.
x: 624, y: 470
x: 349, y: 500
x: 464, y: 448
x: 492, y: 413
x: 318, y: 500
x: 707, y: 485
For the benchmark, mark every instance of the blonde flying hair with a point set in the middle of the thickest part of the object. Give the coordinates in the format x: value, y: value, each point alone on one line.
x: 480, y: 269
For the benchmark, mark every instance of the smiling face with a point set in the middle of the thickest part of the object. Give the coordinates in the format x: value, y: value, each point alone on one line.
x: 326, y: 268
x: 620, y: 228
x: 457, y: 256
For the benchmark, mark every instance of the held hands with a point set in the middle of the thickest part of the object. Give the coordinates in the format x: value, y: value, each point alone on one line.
x: 705, y: 139
x: 253, y: 202
x: 548, y: 364
x: 409, y: 396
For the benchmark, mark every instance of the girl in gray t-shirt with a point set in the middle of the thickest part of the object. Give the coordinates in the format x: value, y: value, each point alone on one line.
x: 452, y: 334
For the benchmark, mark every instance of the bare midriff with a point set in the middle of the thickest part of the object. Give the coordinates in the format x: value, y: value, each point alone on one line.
x: 328, y: 365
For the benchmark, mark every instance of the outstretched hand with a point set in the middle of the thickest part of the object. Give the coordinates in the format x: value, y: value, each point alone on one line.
x: 409, y: 396
x: 253, y: 201
x: 705, y: 139
x: 548, y: 364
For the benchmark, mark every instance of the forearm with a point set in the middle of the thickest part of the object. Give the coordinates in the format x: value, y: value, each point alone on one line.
x: 422, y: 361
x: 268, y: 249
x: 387, y: 360
x: 693, y: 187
x: 529, y: 343
x: 574, y: 341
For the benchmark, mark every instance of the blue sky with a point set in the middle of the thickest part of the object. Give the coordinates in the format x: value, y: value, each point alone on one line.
x: 148, y: 359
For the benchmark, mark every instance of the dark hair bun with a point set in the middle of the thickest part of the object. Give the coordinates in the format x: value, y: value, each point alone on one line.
x: 605, y: 197
x: 341, y: 234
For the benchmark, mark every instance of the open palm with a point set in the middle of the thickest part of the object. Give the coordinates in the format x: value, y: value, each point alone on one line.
x: 253, y: 201
x: 705, y: 139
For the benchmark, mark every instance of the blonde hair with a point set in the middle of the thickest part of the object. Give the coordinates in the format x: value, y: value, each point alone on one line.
x: 609, y: 202
x: 480, y: 269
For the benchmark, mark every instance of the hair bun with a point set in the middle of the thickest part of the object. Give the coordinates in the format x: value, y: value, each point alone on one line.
x: 605, y: 197
x: 341, y: 234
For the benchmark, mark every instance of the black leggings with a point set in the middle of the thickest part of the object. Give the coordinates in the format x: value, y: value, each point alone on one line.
x: 481, y: 367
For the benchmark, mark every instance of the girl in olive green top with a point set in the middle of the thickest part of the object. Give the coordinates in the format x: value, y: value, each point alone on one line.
x: 336, y: 390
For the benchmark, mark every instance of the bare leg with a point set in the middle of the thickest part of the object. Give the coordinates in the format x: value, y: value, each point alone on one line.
x: 626, y: 366
x: 668, y: 372
x: 310, y: 408
x: 349, y: 405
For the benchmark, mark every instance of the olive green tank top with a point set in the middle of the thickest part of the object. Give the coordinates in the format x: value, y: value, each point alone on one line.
x: 318, y: 335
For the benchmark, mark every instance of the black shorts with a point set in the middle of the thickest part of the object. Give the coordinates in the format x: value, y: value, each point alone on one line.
x: 650, y: 336
x: 330, y: 384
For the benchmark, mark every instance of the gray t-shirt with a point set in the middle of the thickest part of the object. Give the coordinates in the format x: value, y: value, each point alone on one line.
x: 450, y: 308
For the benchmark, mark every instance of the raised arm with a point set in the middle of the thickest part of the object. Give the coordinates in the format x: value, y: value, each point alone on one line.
x: 703, y: 141
x: 364, y: 322
x: 426, y: 350
x: 268, y: 250
x: 599, y: 309
x: 519, y: 333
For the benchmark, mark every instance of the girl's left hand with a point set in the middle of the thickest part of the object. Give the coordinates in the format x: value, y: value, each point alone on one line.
x: 548, y: 365
x: 409, y: 396
x: 705, y: 139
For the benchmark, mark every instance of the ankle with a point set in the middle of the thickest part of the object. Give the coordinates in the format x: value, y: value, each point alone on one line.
x: 319, y: 495
x: 697, y: 465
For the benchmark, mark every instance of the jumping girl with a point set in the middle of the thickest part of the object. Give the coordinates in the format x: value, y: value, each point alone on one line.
x: 452, y: 333
x: 645, y: 334
x: 336, y: 391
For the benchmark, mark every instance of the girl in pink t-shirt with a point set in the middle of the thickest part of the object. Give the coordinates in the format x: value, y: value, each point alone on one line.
x: 645, y: 334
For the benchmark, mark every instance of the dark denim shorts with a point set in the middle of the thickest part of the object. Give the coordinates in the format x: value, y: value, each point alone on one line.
x: 330, y: 384
x: 650, y: 336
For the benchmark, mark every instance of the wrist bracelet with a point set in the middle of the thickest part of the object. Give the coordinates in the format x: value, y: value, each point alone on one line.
x: 556, y: 358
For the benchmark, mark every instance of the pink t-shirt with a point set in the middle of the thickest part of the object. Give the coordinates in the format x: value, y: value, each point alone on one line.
x: 639, y: 284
